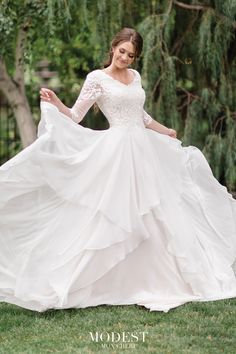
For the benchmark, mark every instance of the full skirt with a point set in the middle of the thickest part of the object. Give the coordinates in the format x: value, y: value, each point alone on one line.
x: 120, y: 216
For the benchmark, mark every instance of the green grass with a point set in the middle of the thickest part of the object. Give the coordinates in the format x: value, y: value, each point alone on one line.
x: 203, y: 328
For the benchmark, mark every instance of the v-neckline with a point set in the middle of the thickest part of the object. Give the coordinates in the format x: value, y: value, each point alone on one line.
x: 122, y: 83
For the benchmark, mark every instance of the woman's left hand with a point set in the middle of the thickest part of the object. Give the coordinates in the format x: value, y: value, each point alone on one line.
x: 172, y: 133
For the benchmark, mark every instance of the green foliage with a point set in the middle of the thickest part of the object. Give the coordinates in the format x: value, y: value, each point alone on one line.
x: 188, y: 64
x: 193, y: 126
x: 230, y: 156
x: 160, y: 80
x: 214, y: 150
x: 226, y: 7
x: 215, y: 36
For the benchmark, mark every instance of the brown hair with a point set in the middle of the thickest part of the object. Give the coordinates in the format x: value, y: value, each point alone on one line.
x: 126, y: 35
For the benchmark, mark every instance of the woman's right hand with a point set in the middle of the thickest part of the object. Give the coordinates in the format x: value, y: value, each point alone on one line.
x: 49, y: 96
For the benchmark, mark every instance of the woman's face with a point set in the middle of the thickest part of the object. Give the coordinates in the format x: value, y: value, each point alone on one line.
x: 123, y: 55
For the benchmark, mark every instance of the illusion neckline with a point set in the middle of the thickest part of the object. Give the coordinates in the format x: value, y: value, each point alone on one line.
x: 122, y: 83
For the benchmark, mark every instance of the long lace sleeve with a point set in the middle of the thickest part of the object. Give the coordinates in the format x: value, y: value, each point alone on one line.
x: 147, y: 119
x: 90, y: 92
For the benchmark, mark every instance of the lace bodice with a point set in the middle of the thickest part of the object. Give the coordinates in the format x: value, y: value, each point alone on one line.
x: 121, y: 104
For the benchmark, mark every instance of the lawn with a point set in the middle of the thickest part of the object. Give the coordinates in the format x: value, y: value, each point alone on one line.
x: 202, y: 328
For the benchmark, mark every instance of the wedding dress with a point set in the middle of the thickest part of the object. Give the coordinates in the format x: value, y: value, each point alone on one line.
x: 119, y: 216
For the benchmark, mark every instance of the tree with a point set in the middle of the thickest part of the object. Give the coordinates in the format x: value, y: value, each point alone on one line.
x: 20, y: 25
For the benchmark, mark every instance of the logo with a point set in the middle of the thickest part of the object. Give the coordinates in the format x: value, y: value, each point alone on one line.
x: 118, y: 340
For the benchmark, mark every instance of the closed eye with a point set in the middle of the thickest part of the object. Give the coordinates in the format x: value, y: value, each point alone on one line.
x: 122, y: 51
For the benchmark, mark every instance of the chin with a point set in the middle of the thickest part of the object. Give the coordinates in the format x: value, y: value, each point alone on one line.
x: 121, y: 65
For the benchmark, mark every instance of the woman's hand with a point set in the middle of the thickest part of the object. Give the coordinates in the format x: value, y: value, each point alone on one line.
x: 172, y: 133
x: 49, y: 96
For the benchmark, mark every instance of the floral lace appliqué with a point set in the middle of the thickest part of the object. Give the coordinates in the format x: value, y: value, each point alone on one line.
x: 121, y: 104
x: 90, y: 92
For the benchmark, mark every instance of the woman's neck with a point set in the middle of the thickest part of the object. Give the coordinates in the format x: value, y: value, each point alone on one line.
x: 114, y: 70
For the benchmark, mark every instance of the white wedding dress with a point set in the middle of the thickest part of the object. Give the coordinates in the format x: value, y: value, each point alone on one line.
x: 120, y: 216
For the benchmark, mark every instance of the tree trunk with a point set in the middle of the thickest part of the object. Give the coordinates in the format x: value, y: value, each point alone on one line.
x: 26, y: 125
x: 18, y: 102
x: 13, y: 89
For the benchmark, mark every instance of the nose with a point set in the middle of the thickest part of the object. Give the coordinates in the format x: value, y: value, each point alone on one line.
x: 124, y: 57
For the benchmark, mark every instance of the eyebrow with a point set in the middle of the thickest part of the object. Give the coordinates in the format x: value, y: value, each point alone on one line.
x: 126, y: 50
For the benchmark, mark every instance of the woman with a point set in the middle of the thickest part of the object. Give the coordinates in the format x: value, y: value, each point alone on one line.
x: 120, y: 216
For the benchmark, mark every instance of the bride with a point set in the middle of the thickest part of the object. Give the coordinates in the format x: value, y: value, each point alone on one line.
x: 119, y: 216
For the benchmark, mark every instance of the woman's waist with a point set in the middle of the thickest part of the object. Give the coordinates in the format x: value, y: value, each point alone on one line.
x: 125, y: 122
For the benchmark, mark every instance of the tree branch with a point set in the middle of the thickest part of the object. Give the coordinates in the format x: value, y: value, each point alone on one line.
x: 190, y: 7
x: 204, y: 8
x: 3, y: 72
x: 6, y: 83
x: 19, y: 55
x: 169, y: 8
